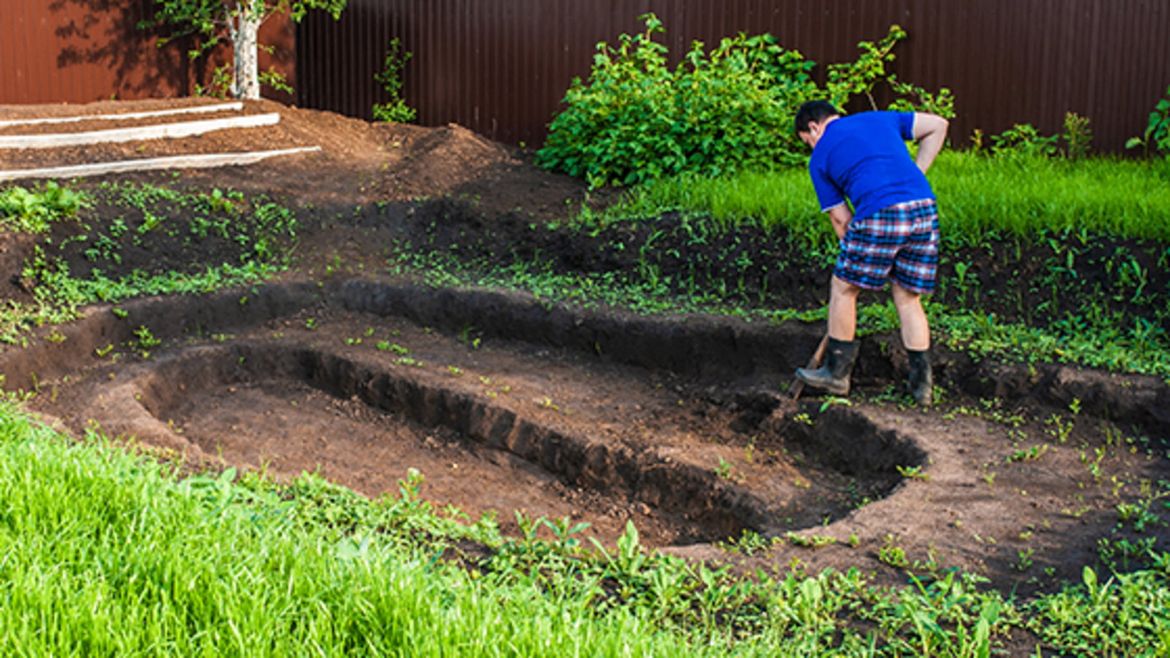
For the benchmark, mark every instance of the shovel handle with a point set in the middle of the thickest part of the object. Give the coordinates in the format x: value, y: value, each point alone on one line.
x: 814, y: 362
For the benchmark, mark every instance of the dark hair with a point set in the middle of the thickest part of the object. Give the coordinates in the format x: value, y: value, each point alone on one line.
x: 814, y: 112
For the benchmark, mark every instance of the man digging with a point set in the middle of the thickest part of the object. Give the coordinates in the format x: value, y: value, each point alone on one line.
x: 890, y: 235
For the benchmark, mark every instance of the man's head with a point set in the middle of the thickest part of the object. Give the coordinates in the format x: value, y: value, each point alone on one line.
x: 811, y: 119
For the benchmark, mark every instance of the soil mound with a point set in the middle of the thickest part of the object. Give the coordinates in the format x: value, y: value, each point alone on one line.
x: 439, y: 161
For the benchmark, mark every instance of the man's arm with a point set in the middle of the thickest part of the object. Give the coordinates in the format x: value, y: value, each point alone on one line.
x: 930, y: 130
x: 840, y: 216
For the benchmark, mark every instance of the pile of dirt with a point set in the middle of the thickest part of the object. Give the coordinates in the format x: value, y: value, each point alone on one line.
x: 359, y: 162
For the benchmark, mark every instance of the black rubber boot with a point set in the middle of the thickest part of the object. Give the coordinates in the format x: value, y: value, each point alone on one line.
x: 921, y: 378
x: 833, y: 375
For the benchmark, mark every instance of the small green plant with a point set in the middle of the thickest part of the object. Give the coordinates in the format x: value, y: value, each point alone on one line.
x: 1156, y: 137
x: 387, y: 346
x: 913, y: 473
x: 749, y: 543
x: 1059, y: 428
x: 145, y: 340
x: 1031, y: 454
x: 395, y: 108
x: 809, y: 541
x: 1138, y: 515
x: 32, y: 211
x: 1023, y: 139
x: 892, y: 554
x: 724, y: 470
x: 1078, y: 136
x: 1024, y: 559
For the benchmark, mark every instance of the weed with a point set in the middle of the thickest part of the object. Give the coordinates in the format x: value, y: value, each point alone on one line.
x: 1031, y: 454
x: 748, y: 543
x: 913, y: 473
x: 395, y: 348
x: 809, y: 541
x: 33, y: 211
x: 1024, y: 559
x: 145, y: 341
x: 725, y: 470
x: 892, y: 554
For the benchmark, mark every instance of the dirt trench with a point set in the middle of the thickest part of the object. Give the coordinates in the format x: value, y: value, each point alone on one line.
x: 507, y: 404
x: 368, y: 385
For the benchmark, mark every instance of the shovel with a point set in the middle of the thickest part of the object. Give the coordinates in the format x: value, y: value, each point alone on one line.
x: 815, y: 362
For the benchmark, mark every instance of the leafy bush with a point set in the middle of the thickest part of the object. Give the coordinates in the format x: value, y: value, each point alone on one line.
x: 1078, y: 136
x: 636, y: 119
x: 32, y: 211
x: 1025, y: 140
x: 1157, y: 133
x: 395, y: 109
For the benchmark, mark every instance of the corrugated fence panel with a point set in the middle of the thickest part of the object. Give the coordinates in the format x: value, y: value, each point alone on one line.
x: 501, y: 67
x: 84, y: 50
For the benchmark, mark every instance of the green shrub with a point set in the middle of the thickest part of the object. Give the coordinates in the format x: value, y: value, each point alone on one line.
x: 1024, y: 139
x: 717, y: 112
x: 395, y: 109
x: 1157, y: 133
x: 1078, y: 136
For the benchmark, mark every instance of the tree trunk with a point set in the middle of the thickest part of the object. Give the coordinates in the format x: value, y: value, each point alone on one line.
x: 245, y: 42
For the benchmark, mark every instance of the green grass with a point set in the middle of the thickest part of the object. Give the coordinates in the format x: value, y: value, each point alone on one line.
x: 1111, y: 347
x: 1019, y: 195
x: 106, y: 553
x: 1011, y: 213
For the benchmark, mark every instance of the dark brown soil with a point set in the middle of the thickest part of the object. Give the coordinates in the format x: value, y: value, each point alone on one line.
x: 508, y: 403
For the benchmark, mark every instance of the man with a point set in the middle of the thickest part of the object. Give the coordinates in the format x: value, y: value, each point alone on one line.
x: 890, y: 235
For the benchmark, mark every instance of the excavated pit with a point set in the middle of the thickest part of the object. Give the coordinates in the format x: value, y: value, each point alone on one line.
x: 506, y: 404
x: 366, y: 421
x: 365, y: 382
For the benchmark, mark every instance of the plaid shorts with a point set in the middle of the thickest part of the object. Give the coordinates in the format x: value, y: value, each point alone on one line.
x: 899, y: 242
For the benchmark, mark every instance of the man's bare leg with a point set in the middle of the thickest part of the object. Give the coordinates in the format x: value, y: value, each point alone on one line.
x: 915, y: 329
x: 843, y: 309
x: 916, y: 338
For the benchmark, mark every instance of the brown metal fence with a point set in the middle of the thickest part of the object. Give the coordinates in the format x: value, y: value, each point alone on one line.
x: 501, y: 67
x: 54, y: 51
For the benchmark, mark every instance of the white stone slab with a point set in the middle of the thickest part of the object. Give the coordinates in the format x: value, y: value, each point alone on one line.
x: 118, y: 135
x: 196, y: 109
x: 204, y: 161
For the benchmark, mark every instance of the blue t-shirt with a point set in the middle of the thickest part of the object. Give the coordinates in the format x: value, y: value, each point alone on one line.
x: 863, y: 157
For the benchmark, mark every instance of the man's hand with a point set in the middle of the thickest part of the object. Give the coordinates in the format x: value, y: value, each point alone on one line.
x: 840, y: 216
x: 930, y: 130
